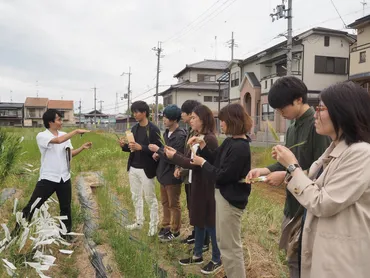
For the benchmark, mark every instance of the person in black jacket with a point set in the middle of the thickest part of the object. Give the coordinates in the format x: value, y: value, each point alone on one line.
x: 142, y: 167
x: 229, y: 164
x: 174, y: 136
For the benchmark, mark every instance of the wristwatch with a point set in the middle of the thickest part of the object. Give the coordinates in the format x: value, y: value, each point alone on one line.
x: 291, y: 168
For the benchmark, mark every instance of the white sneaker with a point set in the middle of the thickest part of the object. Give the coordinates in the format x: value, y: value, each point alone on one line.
x: 135, y: 226
x: 152, y: 231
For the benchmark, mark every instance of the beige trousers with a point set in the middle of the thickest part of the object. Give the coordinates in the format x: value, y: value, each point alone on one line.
x: 228, y: 229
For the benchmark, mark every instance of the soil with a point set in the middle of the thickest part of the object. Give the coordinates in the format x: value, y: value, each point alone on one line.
x: 93, y: 180
x: 274, y: 193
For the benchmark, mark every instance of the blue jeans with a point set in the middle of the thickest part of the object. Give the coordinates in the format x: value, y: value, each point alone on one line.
x: 199, y: 240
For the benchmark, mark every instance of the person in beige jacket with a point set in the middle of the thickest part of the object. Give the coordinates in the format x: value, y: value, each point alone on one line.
x: 336, y: 192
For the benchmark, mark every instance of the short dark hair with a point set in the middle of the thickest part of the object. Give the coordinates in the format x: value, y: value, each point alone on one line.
x: 140, y: 106
x: 172, y: 112
x: 236, y: 118
x: 349, y: 110
x: 49, y: 116
x: 206, y: 116
x: 189, y: 105
x: 285, y: 91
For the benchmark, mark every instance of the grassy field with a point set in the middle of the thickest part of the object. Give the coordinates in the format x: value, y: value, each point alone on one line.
x: 135, y: 254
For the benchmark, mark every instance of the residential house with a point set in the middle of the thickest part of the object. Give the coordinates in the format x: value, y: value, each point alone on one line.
x: 65, y: 107
x: 359, y: 70
x: 11, y: 114
x: 198, y: 81
x: 320, y: 58
x: 34, y: 108
x: 95, y: 114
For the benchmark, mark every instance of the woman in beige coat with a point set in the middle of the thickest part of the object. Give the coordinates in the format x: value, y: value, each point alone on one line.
x: 336, y: 193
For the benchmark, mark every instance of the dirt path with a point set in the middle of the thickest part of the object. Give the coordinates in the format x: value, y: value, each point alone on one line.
x: 92, y: 180
x: 274, y: 193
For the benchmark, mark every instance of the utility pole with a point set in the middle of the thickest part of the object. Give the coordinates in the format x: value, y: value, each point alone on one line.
x: 37, y: 88
x: 128, y: 95
x: 363, y: 7
x: 232, y: 45
x: 116, y: 104
x: 11, y: 96
x: 79, y: 114
x: 158, y: 51
x: 94, y: 105
x: 282, y: 12
x: 101, y: 105
x: 215, y: 47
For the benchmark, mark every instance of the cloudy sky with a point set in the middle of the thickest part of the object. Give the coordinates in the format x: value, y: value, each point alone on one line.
x: 62, y: 49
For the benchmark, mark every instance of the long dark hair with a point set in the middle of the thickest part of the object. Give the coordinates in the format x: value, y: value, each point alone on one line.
x: 206, y: 116
x: 349, y: 110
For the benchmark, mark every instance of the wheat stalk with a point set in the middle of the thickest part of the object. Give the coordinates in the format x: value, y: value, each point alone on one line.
x: 161, y: 139
x: 297, y: 145
x: 277, y: 139
x: 273, y: 131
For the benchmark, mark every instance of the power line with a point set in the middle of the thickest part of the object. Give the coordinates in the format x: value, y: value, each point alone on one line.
x: 206, y: 19
x: 345, y: 25
x: 267, y: 41
x: 173, y: 36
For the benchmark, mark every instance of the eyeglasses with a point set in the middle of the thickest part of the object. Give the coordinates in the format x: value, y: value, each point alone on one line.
x: 321, y: 108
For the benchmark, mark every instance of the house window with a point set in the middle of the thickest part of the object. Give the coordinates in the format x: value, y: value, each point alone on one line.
x: 235, y: 79
x: 363, y: 57
x: 331, y: 65
x: 206, y: 78
x: 267, y: 112
x: 326, y: 41
x: 281, y: 69
x: 216, y: 99
x: 208, y: 99
x: 167, y: 100
x: 271, y: 82
x: 62, y: 113
x: 265, y: 84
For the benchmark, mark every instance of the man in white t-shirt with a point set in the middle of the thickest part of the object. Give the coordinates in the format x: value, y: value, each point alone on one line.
x: 56, y: 153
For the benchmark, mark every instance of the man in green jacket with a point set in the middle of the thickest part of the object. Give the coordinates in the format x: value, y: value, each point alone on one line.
x: 289, y: 97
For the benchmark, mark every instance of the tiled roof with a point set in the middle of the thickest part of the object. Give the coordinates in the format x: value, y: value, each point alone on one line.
x: 360, y: 21
x: 253, y: 79
x: 11, y: 105
x: 60, y: 104
x: 207, y: 65
x: 208, y: 86
x: 36, y: 102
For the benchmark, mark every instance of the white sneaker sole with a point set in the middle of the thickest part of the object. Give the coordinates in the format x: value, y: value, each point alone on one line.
x: 191, y: 263
x: 130, y: 228
x: 210, y: 272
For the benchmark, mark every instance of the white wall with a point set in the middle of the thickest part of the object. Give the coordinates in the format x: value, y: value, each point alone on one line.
x: 364, y: 36
x: 314, y: 45
x: 180, y: 96
x: 192, y: 74
x: 234, y: 91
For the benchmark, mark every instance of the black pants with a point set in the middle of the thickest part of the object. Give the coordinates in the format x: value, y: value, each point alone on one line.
x: 44, y: 189
x: 188, y: 193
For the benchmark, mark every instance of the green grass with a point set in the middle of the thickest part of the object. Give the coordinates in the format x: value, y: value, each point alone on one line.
x: 261, y: 221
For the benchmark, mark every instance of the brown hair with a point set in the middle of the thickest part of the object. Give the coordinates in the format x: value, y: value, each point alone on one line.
x: 206, y: 116
x: 237, y: 119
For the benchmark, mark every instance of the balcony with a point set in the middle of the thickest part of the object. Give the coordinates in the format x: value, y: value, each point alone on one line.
x: 11, y: 114
x: 269, y: 80
x: 225, y: 94
x: 31, y: 115
x: 360, y: 63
